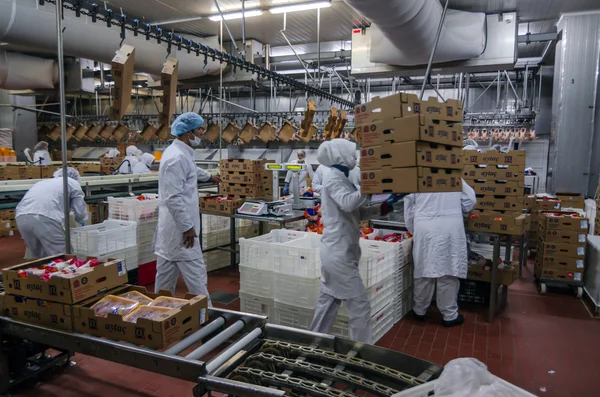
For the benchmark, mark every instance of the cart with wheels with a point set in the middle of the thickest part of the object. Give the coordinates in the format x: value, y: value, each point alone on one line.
x: 544, y: 283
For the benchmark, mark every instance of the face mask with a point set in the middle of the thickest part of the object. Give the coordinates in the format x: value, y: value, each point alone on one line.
x: 195, y: 141
x: 300, y: 161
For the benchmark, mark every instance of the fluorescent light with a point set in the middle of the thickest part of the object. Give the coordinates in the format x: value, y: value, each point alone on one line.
x: 300, y: 7
x: 236, y: 15
x: 237, y: 7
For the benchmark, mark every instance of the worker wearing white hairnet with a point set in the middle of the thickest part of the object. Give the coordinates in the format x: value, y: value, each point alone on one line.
x: 319, y: 176
x: 143, y: 167
x: 41, y: 156
x: 40, y: 215
x: 439, y: 250
x: 303, y: 182
x: 112, y: 153
x: 177, y: 246
x: 132, y: 157
x: 343, y: 207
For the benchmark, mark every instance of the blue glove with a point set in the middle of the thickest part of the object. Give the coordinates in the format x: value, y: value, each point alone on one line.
x: 286, y: 189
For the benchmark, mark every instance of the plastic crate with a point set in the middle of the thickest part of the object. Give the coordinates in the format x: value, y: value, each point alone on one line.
x: 145, y: 253
x: 380, y: 323
x: 130, y: 255
x: 256, y: 282
x: 259, y: 252
x: 147, y: 273
x: 405, y: 279
x: 293, y: 316
x: 303, y: 292
x: 379, y: 295
x: 145, y: 231
x: 219, y: 238
x: 300, y: 257
x: 379, y: 260
x: 106, y: 237
x: 403, y: 304
x: 427, y: 390
x: 133, y: 210
x: 257, y: 305
x: 211, y: 223
x: 216, y: 260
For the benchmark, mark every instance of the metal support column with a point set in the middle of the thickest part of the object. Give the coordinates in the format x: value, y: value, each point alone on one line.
x: 437, y: 38
x: 319, y: 42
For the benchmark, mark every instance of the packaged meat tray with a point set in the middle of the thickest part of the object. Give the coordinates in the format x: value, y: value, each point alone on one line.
x: 112, y: 304
x: 167, y: 301
x: 147, y: 312
x: 137, y: 296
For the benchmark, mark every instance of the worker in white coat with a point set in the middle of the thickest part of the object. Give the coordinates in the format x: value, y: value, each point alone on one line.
x: 319, y: 176
x: 303, y: 183
x: 439, y: 250
x: 343, y: 207
x: 132, y: 157
x: 112, y: 153
x: 177, y: 246
x: 143, y: 167
x: 41, y: 156
x: 40, y: 215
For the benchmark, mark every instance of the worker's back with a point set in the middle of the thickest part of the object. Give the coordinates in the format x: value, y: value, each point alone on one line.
x: 46, y: 198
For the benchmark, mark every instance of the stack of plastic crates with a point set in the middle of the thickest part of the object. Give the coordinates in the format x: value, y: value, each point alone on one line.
x: 144, y: 212
x: 257, y: 258
x: 110, y: 239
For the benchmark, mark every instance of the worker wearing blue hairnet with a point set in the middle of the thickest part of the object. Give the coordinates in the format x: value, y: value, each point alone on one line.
x: 177, y: 246
x: 40, y: 215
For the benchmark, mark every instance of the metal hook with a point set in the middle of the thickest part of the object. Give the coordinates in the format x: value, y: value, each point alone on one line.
x: 123, y: 29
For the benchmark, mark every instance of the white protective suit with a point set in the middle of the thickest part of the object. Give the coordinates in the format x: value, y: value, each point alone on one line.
x: 440, y: 246
x: 302, y: 182
x: 342, y: 206
x: 143, y: 167
x: 178, y: 212
x: 131, y: 159
x: 40, y: 215
x: 319, y: 176
x: 41, y: 158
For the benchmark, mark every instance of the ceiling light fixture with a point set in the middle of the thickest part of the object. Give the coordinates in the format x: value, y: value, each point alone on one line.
x: 236, y: 15
x: 300, y: 7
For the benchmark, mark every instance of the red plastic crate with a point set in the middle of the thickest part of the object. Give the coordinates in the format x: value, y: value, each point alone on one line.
x: 147, y: 273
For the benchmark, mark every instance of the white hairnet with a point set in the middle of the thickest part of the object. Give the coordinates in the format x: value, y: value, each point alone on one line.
x: 302, y: 151
x: 71, y: 173
x: 41, y: 145
x: 132, y: 150
x: 139, y: 153
x: 186, y: 122
x: 148, y: 159
x: 112, y: 153
x: 337, y: 151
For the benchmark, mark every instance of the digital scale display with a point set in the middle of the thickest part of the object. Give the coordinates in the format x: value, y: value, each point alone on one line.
x: 293, y: 167
x: 274, y: 166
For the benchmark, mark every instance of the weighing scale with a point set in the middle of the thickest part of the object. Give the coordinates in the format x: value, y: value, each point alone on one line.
x: 260, y: 208
x: 299, y: 202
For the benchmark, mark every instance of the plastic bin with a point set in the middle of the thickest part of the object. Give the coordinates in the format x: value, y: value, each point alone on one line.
x: 379, y: 260
x: 133, y: 210
x: 405, y: 279
x: 380, y: 323
x: 300, y: 257
x: 427, y: 390
x: 259, y: 252
x: 211, y: 223
x: 106, y: 237
x: 147, y: 273
x: 256, y: 282
x: 403, y: 304
x: 130, y: 256
x: 145, y: 253
x: 216, y: 260
x: 145, y: 231
x: 380, y: 295
x: 293, y: 316
x: 296, y: 291
x: 257, y: 305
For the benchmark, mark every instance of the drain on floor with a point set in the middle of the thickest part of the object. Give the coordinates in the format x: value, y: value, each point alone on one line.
x: 224, y: 298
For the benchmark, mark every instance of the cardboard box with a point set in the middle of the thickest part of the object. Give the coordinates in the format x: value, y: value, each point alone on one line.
x: 38, y: 312
x: 563, y: 223
x: 561, y: 263
x: 8, y: 228
x: 411, y: 128
x: 489, y: 202
x: 230, y: 132
x: 557, y: 274
x: 493, y: 172
x: 248, y: 132
x: 398, y: 105
x: 451, y: 110
x: 410, y: 154
x: 563, y: 250
x: 208, y: 203
x: 245, y: 190
x: 545, y: 205
x: 287, y: 131
x: 168, y: 82
x: 410, y: 180
x: 497, y: 188
x: 264, y: 178
x: 489, y: 223
x: 563, y: 236
x: 267, y: 132
x: 244, y: 165
x: 492, y: 157
x: 571, y: 200
x: 122, y: 72
x: 65, y: 290
x: 504, y: 276
x: 173, y: 327
x: 7, y: 215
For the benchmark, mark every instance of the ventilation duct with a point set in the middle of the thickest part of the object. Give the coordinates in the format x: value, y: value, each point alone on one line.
x: 403, y: 31
x: 25, y: 23
x: 23, y: 72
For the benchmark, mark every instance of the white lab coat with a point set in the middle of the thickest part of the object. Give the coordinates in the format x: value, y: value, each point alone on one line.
x: 302, y: 182
x: 319, y: 175
x: 436, y: 222
x: 131, y: 159
x: 41, y: 158
x: 143, y: 167
x: 178, y: 208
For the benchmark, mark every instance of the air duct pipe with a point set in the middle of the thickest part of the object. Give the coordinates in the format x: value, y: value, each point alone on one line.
x: 26, y: 23
x: 403, y: 31
x: 23, y: 72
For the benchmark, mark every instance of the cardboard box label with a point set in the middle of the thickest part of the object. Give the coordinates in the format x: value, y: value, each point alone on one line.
x: 410, y: 180
x: 493, y: 172
x: 558, y: 274
x: 498, y: 203
x: 410, y: 154
x: 244, y: 165
x: 40, y: 312
x: 492, y: 157
x: 565, y: 223
x: 252, y: 178
x: 490, y: 223
x: 557, y: 262
x: 562, y: 236
x: 497, y: 188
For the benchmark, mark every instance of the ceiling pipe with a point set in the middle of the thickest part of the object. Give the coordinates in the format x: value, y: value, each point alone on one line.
x: 24, y: 72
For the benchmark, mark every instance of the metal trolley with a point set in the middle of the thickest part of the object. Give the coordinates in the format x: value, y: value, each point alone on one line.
x: 248, y: 357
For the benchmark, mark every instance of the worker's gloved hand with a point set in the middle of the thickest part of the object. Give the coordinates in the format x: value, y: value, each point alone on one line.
x: 286, y: 189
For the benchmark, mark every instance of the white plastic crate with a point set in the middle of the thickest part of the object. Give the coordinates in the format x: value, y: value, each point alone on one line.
x: 216, y: 259
x: 293, y: 316
x: 403, y: 304
x: 406, y: 251
x: 74, y: 224
x: 379, y: 260
x: 106, y: 237
x: 297, y: 291
x: 380, y: 323
x: 130, y: 256
x: 405, y: 279
x: 380, y: 295
x: 145, y: 253
x: 219, y: 238
x: 427, y: 390
x: 145, y: 231
x: 133, y: 210
x: 300, y: 257
x: 256, y: 282
x: 259, y: 252
x: 257, y: 305
x: 212, y: 223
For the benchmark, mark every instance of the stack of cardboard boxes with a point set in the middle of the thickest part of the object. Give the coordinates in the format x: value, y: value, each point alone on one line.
x: 561, y: 249
x: 408, y: 145
x: 537, y: 207
x: 8, y: 225
x: 246, y: 178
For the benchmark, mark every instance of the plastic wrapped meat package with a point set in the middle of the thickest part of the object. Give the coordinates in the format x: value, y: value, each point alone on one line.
x: 137, y: 296
x: 112, y: 304
x: 167, y: 301
x: 147, y: 312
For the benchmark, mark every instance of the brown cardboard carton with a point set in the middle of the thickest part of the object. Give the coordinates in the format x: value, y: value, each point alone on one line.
x: 267, y: 132
x: 504, y: 276
x: 230, y: 132
x: 493, y: 172
x: 65, y: 290
x: 497, y: 188
x: 499, y: 203
x: 38, y: 312
x: 248, y: 132
x: 213, y: 132
x: 107, y: 132
x: 244, y: 190
x: 210, y: 203
x: 120, y: 132
x: 122, y: 72
x: 508, y: 224
x: 410, y: 180
x: 7, y: 215
x: 250, y: 178
x: 549, y: 221
x: 410, y: 154
x: 287, y: 131
x: 571, y: 200
x: 557, y: 274
x: 80, y: 131
x: 168, y: 82
x: 492, y: 157
x: 546, y: 205
x: 93, y: 132
x: 451, y: 110
x: 164, y: 132
x: 411, y: 128
x: 563, y: 250
x: 149, y: 132
x: 54, y: 133
x: 172, y: 327
x: 244, y: 165
x: 561, y: 263
x: 564, y: 236
x: 397, y: 105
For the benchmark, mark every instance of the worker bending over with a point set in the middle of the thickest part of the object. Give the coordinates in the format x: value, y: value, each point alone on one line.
x: 132, y: 157
x: 177, y: 246
x: 304, y: 176
x: 143, y: 167
x: 40, y: 215
x: 439, y: 250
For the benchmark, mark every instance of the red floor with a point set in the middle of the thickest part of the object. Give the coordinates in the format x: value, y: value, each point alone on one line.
x: 547, y: 345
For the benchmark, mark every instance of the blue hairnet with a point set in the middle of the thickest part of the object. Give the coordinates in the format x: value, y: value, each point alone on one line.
x: 185, y: 123
x: 71, y: 173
